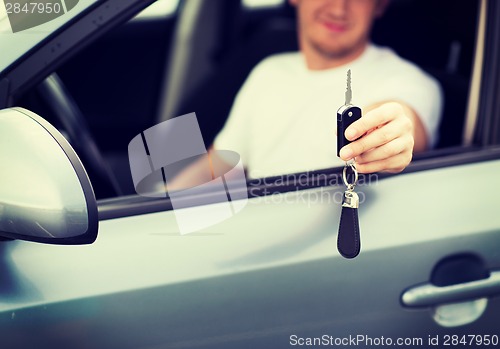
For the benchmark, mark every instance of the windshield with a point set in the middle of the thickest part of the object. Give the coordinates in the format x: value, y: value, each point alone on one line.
x: 25, y: 23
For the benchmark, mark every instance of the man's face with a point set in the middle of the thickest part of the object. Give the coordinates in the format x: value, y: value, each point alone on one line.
x: 336, y: 28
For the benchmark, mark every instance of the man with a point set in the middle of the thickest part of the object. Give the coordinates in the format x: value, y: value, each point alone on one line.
x: 284, y: 117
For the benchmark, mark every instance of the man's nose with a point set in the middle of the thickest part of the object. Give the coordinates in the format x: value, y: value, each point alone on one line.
x: 338, y: 8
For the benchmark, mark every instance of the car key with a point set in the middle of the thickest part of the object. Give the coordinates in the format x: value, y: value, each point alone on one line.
x: 346, y: 115
x: 348, y: 238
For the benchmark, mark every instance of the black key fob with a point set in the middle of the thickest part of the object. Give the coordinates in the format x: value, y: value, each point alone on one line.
x: 346, y: 115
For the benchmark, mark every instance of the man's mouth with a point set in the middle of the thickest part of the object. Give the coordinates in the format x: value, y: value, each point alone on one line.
x: 334, y: 27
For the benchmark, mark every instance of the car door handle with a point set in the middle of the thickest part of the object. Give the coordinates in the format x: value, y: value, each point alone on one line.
x: 429, y: 295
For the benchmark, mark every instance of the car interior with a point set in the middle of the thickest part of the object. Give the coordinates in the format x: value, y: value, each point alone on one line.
x: 149, y: 70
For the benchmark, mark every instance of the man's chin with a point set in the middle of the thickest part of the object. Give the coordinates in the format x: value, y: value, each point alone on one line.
x: 338, y: 52
x: 334, y: 52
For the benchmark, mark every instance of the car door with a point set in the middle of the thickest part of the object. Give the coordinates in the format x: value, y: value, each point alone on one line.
x: 270, y: 276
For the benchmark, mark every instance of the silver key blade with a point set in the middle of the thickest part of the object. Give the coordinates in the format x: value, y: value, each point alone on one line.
x: 348, y: 93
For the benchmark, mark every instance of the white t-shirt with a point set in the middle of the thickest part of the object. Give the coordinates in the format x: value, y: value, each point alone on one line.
x: 283, y: 119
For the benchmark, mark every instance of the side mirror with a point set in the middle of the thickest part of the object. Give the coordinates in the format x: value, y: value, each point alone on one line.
x: 45, y: 193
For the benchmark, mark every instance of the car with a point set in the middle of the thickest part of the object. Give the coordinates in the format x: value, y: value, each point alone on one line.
x: 268, y: 275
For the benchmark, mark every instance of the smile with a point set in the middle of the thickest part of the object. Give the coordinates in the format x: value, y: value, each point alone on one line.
x: 334, y: 27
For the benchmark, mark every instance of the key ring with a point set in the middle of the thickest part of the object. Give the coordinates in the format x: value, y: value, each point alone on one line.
x: 350, y: 186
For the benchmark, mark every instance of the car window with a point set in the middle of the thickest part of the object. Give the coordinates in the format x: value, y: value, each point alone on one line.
x: 119, y: 81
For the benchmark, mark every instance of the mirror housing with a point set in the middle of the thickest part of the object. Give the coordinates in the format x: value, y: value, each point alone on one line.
x: 45, y: 193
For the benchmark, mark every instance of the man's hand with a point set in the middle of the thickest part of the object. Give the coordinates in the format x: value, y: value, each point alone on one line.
x: 390, y: 132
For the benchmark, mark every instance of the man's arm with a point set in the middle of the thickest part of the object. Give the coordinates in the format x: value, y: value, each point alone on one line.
x: 200, y: 171
x: 391, y: 131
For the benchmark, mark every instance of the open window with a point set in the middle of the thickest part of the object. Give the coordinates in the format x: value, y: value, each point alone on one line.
x: 119, y: 81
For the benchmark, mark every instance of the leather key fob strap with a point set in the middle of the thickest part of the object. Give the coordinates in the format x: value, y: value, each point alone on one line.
x: 348, y: 239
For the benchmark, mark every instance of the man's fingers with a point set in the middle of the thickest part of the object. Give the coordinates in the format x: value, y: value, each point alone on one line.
x: 393, y: 164
x: 374, y: 118
x: 395, y: 147
x: 375, y: 139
